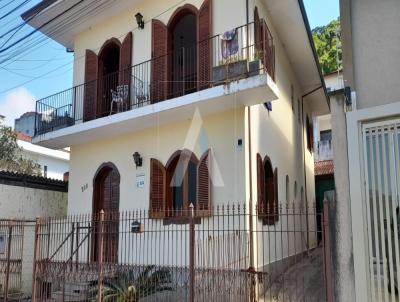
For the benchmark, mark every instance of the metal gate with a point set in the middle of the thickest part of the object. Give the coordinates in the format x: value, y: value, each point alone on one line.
x: 381, y: 152
x: 16, y: 262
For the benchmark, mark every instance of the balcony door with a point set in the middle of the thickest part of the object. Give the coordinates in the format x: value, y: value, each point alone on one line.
x: 183, y: 39
x: 109, y: 62
x: 181, y: 52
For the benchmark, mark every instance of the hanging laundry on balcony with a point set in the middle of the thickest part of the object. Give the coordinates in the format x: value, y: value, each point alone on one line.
x: 268, y: 106
x: 229, y: 43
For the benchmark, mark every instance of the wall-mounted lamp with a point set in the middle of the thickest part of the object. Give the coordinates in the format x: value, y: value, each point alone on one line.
x: 137, y: 159
x: 139, y: 20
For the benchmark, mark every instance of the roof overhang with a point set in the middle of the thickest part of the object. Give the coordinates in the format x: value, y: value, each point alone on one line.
x: 290, y: 20
x: 61, y: 20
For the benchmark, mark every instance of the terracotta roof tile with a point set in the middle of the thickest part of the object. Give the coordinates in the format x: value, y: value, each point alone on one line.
x: 324, y: 167
x: 23, y: 137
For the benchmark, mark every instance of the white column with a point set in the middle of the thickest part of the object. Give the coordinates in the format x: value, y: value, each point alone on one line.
x: 343, y: 266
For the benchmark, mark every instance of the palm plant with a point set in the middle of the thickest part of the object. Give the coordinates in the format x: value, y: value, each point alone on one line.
x: 128, y: 286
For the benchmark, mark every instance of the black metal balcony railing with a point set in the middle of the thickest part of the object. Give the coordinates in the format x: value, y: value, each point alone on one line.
x: 250, y: 52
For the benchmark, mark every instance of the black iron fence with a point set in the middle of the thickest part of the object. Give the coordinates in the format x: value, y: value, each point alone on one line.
x: 222, y: 58
x: 230, y: 256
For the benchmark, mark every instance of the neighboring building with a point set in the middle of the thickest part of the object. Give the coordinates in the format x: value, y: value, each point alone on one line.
x: 2, y: 119
x: 53, y: 163
x: 334, y: 80
x: 323, y: 147
x: 196, y: 106
x: 366, y: 136
x: 26, y: 124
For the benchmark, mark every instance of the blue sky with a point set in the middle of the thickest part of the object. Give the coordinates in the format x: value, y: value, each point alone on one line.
x: 321, y: 12
x: 46, y: 68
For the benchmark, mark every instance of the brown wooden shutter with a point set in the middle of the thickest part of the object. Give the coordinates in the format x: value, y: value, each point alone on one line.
x: 125, y: 65
x: 276, y: 196
x: 157, y: 189
x: 203, y: 207
x: 204, y: 25
x: 260, y: 186
x: 257, y: 31
x: 125, y: 61
x: 90, y: 89
x: 159, y: 68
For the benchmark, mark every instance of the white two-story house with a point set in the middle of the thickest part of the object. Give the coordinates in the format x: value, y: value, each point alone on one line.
x: 203, y: 102
x: 190, y: 81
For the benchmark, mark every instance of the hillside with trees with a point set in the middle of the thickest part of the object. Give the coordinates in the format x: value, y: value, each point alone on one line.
x: 327, y: 43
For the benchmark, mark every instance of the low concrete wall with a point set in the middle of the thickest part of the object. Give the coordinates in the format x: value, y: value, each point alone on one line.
x: 25, y: 198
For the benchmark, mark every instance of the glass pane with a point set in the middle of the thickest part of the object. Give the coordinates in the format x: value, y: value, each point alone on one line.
x: 192, y: 172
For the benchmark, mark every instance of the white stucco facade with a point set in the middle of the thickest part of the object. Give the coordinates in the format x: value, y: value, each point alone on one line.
x: 276, y: 134
x: 229, y: 119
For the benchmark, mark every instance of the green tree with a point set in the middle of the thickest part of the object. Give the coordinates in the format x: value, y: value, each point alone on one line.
x: 327, y: 43
x: 11, y: 156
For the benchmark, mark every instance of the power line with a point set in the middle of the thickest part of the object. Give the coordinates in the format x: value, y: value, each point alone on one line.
x: 55, y: 32
x: 40, y: 27
x: 8, y: 3
x: 14, y: 9
x: 82, y: 56
x: 35, y: 78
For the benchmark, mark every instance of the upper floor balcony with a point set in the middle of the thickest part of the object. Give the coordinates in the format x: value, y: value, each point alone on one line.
x: 231, y: 62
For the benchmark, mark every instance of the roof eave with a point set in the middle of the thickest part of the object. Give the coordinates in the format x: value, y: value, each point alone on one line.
x: 314, y: 51
x: 42, y: 5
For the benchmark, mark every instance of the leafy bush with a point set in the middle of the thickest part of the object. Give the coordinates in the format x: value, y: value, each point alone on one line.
x: 11, y: 157
x: 129, y: 286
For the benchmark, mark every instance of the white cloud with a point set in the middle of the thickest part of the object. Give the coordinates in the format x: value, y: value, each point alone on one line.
x: 15, y: 103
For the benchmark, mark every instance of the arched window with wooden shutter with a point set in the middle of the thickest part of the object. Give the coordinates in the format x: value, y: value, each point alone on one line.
x: 203, y: 206
x: 204, y: 51
x: 125, y: 64
x: 90, y: 89
x: 276, y: 199
x: 159, y: 68
x: 157, y: 189
x: 267, y: 193
x: 260, y: 186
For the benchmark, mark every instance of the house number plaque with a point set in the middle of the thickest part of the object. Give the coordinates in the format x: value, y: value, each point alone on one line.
x: 140, y: 181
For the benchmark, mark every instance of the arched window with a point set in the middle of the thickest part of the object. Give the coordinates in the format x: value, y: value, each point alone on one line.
x: 109, y: 60
x: 103, y: 72
x: 183, y: 47
x: 181, y: 55
x: 287, y: 189
x: 268, y: 202
x: 183, y: 181
x: 310, y: 134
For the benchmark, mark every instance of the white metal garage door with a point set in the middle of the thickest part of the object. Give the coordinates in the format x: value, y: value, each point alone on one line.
x: 381, y: 147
